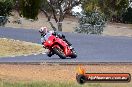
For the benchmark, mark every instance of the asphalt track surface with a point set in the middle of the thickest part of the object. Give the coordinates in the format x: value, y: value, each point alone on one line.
x: 90, y: 48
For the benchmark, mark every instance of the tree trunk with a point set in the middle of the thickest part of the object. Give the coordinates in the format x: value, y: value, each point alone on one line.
x: 53, y: 27
x: 59, y: 26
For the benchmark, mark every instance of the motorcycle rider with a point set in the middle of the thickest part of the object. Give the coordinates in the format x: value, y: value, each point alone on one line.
x: 44, y: 36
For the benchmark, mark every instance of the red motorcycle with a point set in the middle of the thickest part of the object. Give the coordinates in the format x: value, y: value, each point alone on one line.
x: 59, y: 47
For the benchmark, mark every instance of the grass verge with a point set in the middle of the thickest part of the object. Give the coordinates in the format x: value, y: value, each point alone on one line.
x: 10, y: 47
x: 55, y: 75
x: 61, y: 84
x: 45, y: 84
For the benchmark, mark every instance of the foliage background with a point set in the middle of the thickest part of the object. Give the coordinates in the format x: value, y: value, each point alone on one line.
x: 6, y: 7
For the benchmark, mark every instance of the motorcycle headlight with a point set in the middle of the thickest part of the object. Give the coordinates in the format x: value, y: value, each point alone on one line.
x: 49, y: 42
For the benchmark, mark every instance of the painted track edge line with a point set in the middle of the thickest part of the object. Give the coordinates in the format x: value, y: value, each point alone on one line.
x: 70, y: 63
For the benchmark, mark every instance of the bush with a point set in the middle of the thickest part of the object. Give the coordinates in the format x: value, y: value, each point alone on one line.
x: 127, y: 16
x: 91, y: 23
x: 3, y: 20
x: 5, y: 10
x: 112, y: 9
x: 29, y: 8
x: 5, y: 7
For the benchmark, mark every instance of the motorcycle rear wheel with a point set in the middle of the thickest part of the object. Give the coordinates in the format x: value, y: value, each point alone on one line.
x: 59, y: 52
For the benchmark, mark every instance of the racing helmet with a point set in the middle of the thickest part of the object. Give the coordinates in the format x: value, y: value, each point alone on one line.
x: 43, y: 30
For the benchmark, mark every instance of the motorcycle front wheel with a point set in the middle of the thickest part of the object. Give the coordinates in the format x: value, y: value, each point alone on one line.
x: 74, y: 54
x: 59, y: 52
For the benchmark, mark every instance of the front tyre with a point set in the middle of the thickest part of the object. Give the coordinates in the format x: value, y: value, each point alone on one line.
x: 74, y: 54
x: 59, y: 52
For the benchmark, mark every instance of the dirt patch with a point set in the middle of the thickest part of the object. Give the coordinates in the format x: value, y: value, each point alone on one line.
x: 10, y: 47
x: 68, y: 24
x: 51, y: 73
x: 118, y: 29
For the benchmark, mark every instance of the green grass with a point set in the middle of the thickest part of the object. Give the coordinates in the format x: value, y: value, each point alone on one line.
x: 10, y: 47
x: 45, y: 84
x: 60, y: 84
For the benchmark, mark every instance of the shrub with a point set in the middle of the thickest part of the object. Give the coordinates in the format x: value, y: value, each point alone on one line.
x: 29, y: 8
x: 5, y: 7
x: 91, y: 23
x: 127, y: 16
x: 5, y: 10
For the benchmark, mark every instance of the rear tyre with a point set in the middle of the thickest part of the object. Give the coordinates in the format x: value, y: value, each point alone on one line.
x: 74, y: 54
x: 59, y: 52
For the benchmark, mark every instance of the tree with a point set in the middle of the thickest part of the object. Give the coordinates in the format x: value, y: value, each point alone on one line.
x: 6, y: 7
x: 5, y: 10
x: 111, y: 8
x: 29, y: 8
x: 127, y: 16
x: 57, y: 9
x: 90, y: 5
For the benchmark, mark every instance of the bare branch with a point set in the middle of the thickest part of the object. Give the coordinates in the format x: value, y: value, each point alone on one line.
x: 60, y: 1
x: 63, y: 6
x: 61, y: 14
x: 46, y: 14
x: 51, y: 24
x: 53, y: 10
x: 49, y: 17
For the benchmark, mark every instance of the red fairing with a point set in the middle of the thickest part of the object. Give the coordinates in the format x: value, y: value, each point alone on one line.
x: 48, y: 43
x: 55, y: 42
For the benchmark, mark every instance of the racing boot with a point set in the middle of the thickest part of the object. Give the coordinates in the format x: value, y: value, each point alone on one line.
x: 49, y: 54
